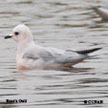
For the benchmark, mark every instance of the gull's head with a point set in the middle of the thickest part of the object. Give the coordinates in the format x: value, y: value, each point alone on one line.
x: 20, y: 33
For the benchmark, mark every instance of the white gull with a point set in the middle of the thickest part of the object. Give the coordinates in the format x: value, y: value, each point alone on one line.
x: 101, y: 11
x: 32, y: 56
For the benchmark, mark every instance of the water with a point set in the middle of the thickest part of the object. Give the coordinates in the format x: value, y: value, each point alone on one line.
x: 63, y: 24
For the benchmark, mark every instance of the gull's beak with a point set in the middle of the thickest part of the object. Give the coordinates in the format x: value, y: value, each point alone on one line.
x: 8, y: 36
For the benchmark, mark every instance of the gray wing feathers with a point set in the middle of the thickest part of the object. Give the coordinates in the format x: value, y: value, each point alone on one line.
x: 48, y: 57
x: 38, y: 55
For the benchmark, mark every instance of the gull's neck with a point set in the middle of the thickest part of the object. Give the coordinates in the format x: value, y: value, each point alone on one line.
x: 24, y: 45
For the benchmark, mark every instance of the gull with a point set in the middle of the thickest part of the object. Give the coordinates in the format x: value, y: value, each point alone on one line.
x: 33, y: 56
x: 101, y: 11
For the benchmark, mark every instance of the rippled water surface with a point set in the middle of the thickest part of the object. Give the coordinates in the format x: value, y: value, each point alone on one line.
x: 63, y: 24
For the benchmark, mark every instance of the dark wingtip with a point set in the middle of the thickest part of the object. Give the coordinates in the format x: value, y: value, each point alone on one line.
x: 88, y: 51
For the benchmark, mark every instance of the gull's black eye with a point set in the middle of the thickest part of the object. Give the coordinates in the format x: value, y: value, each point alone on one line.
x: 16, y: 33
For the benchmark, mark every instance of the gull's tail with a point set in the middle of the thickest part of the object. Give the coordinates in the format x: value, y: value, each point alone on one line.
x: 86, y: 52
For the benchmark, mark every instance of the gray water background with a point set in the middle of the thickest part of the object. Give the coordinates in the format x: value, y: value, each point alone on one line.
x: 65, y: 24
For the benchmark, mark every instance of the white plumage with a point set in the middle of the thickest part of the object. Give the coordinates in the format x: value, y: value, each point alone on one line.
x: 32, y: 56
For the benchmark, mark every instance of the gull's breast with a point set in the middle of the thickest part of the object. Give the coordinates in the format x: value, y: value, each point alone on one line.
x: 20, y: 64
x: 22, y: 67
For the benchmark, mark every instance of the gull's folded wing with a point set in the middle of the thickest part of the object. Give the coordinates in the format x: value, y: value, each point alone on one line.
x: 54, y: 56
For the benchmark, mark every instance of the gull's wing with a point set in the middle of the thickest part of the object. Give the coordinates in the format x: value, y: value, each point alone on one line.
x: 48, y: 56
x: 70, y: 58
